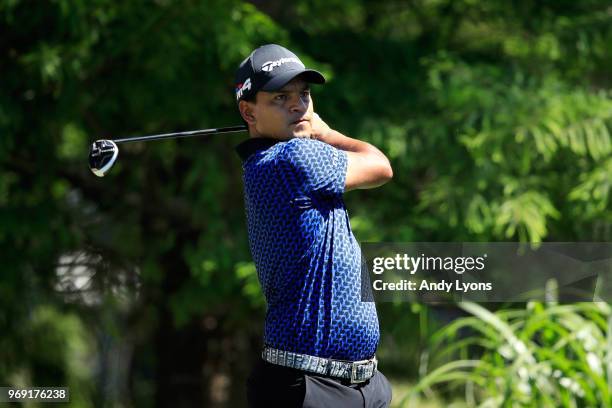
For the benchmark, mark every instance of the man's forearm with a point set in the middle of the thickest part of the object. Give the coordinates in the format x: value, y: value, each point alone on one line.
x: 367, y: 167
x: 346, y: 143
x: 374, y: 170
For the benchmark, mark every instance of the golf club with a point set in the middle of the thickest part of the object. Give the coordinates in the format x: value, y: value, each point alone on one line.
x: 103, y: 153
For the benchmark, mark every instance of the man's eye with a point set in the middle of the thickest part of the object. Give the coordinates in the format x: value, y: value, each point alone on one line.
x: 305, y: 93
x: 280, y: 97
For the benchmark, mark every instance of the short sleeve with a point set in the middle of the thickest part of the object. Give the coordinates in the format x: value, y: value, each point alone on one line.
x: 319, y: 167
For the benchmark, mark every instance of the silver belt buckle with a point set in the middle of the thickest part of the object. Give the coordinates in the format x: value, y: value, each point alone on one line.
x: 354, y: 379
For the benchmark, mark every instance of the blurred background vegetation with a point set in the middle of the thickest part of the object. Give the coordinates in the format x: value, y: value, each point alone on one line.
x: 138, y: 289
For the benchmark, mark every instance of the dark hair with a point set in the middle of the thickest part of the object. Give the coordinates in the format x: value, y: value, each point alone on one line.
x: 250, y: 98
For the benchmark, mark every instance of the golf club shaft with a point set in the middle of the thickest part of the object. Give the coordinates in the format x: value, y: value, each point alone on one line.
x: 191, y: 133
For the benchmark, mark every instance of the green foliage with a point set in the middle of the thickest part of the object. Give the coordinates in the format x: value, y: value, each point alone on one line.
x: 57, y: 350
x: 543, y: 355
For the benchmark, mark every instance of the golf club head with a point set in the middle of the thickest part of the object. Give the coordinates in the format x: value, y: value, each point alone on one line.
x: 102, y: 156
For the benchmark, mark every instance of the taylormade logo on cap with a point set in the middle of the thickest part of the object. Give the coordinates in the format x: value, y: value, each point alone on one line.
x: 242, y: 88
x: 270, y: 65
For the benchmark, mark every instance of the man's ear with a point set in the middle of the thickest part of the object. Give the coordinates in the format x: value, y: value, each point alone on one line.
x: 246, y: 111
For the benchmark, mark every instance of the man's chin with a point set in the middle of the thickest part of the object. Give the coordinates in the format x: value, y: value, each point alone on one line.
x: 301, y: 131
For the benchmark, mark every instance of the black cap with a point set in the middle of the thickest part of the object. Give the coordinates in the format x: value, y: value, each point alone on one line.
x: 269, y: 68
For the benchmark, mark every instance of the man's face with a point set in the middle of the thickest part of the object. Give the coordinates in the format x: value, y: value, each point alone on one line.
x: 282, y: 114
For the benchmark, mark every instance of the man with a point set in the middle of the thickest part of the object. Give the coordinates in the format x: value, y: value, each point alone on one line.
x: 319, y: 337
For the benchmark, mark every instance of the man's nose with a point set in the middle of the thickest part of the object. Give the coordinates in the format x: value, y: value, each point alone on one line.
x: 298, y: 104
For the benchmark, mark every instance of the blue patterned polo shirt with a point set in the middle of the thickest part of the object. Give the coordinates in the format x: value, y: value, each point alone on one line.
x: 307, y: 258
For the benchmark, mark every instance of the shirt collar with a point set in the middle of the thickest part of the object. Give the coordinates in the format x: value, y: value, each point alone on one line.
x: 248, y: 147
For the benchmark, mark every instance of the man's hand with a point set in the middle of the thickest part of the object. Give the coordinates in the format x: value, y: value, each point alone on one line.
x: 320, y: 129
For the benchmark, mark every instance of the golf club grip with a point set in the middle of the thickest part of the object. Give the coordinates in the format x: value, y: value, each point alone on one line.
x: 229, y: 129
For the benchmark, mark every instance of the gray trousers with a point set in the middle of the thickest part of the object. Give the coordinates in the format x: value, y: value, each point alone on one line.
x: 270, y: 385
